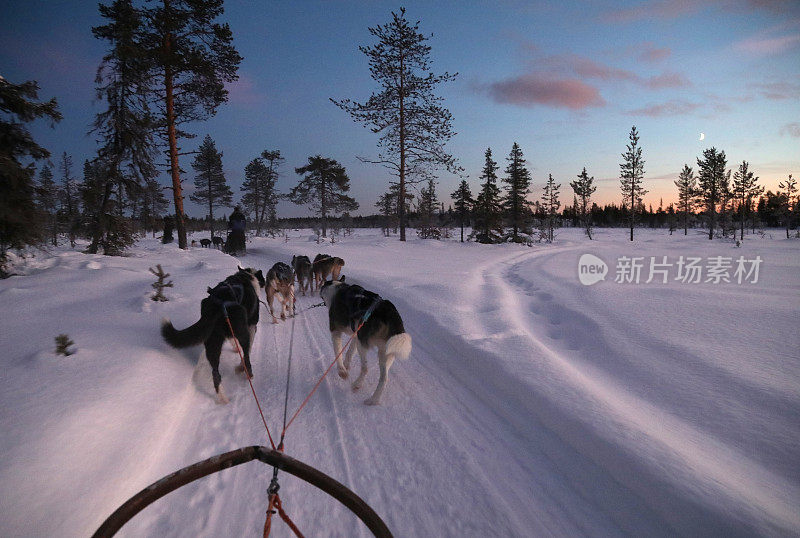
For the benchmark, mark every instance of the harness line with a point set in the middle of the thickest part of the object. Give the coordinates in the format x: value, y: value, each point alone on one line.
x: 364, y: 319
x: 249, y: 378
x: 274, y: 498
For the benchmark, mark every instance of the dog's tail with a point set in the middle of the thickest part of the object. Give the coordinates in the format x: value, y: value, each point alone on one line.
x: 399, y: 345
x: 192, y: 335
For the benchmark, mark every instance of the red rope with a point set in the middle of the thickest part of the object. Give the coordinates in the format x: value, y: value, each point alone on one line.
x: 320, y: 381
x: 249, y: 380
x: 275, y: 500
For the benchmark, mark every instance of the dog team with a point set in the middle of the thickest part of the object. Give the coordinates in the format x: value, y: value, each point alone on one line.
x: 232, y: 306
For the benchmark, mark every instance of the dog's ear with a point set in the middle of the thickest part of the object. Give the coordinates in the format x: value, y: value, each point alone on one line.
x: 341, y: 279
x: 240, y: 268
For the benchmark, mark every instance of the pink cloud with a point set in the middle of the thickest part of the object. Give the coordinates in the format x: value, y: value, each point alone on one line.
x: 671, y: 108
x: 667, y: 80
x: 791, y: 129
x: 778, y: 91
x: 664, y: 10
x: 587, y: 68
x: 768, y: 46
x: 653, y: 55
x: 244, y: 92
x: 530, y: 90
x: 660, y: 10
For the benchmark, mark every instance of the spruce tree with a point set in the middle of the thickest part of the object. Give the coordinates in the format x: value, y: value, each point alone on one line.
x: 211, y: 188
x: 47, y: 198
x: 488, y: 208
x: 583, y: 188
x: 260, y: 197
x: 191, y: 58
x: 126, y: 127
x: 387, y: 207
x: 712, y: 179
x: 412, y: 123
x: 745, y: 188
x: 323, y: 189
x: 18, y: 106
x: 69, y: 197
x: 154, y: 204
x: 790, y: 185
x: 687, y: 194
x: 463, y: 204
x: 631, y: 176
x: 518, y: 179
x: 428, y: 203
x: 550, y: 205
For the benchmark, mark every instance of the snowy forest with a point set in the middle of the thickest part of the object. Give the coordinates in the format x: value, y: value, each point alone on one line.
x: 151, y: 87
x: 571, y: 230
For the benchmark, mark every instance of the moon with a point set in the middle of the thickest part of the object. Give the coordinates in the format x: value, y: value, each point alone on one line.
x: 702, y: 136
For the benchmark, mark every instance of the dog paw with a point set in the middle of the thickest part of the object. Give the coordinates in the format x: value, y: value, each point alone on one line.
x: 343, y: 373
x: 355, y: 386
x: 222, y: 399
x: 372, y: 401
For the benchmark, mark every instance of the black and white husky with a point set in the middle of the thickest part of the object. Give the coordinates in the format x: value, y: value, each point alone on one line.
x: 347, y: 305
x: 238, y: 295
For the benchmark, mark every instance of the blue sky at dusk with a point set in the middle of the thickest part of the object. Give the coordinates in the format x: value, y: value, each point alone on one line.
x: 566, y: 80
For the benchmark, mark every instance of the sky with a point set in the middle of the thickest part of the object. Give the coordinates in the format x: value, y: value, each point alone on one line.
x: 565, y: 80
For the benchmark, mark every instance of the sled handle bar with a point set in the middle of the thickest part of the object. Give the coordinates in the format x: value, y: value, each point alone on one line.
x: 217, y: 463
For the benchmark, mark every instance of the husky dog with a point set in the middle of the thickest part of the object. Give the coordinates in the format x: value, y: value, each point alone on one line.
x: 205, y: 242
x: 347, y: 305
x: 237, y: 296
x: 302, y: 272
x: 280, y: 279
x: 317, y: 258
x: 329, y: 266
x: 218, y: 242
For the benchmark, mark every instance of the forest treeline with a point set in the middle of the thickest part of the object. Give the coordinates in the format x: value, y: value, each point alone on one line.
x: 167, y: 65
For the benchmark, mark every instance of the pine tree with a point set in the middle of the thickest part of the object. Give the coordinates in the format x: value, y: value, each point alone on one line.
x: 488, y: 206
x: 687, y: 194
x: 631, y: 175
x: 154, y: 203
x: 211, y: 188
x: 18, y: 106
x: 69, y: 197
x: 518, y: 179
x: 790, y: 185
x: 463, y: 204
x: 550, y: 205
x: 428, y: 203
x: 583, y: 188
x: 260, y: 197
x: 712, y: 179
x: 745, y: 188
x: 671, y: 218
x: 126, y: 126
x: 191, y: 58
x: 47, y: 198
x: 388, y: 208
x: 323, y: 189
x: 413, y: 124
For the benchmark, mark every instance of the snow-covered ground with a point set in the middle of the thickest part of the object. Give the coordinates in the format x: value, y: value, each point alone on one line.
x: 531, y: 405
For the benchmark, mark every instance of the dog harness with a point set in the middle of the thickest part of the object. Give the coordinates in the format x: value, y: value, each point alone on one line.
x: 227, y: 294
x: 360, y: 302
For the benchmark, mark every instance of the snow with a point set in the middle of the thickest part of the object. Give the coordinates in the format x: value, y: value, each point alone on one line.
x: 531, y: 404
